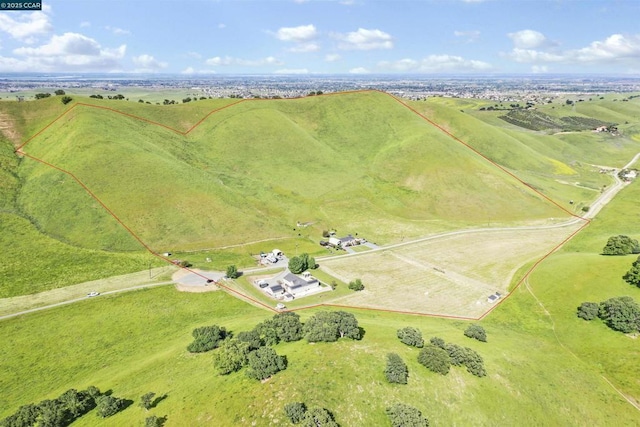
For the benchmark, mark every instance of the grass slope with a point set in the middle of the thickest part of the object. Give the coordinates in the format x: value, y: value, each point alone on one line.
x: 578, y: 273
x: 134, y: 343
x: 252, y: 170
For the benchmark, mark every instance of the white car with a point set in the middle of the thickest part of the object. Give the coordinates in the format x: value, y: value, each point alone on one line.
x: 93, y: 294
x: 280, y: 306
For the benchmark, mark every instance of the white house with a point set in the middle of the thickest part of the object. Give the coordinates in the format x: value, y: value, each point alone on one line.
x: 298, y: 286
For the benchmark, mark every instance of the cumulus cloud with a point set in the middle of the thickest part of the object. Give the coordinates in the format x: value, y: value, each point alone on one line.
x: 147, y: 63
x: 358, y: 70
x: 301, y: 33
x: 69, y: 51
x: 230, y: 61
x: 364, y: 39
x: 332, y: 57
x: 615, y: 48
x: 302, y: 36
x: 528, y: 39
x: 25, y: 26
x: 436, y: 64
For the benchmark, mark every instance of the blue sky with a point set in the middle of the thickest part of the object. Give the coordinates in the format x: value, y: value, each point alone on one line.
x: 313, y: 36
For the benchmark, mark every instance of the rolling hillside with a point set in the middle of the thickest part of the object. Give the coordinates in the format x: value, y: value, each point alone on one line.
x: 357, y: 162
x: 252, y: 170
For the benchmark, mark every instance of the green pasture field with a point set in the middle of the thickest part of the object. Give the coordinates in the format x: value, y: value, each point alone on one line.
x: 136, y: 342
x: 579, y: 273
x: 36, y: 262
x: 243, y: 175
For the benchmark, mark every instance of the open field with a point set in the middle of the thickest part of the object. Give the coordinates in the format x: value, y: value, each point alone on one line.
x: 113, y: 347
x: 451, y: 276
x: 389, y: 179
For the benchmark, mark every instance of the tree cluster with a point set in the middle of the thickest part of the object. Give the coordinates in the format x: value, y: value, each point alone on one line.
x: 401, y: 415
x: 301, y: 263
x: 620, y: 313
x: 411, y: 336
x: 206, y: 338
x: 59, y: 92
x: 265, y: 362
x: 58, y: 412
x: 66, y: 99
x: 298, y: 413
x: 396, y: 370
x: 42, y: 95
x: 438, y: 356
x: 329, y: 326
x: 476, y: 332
x: 621, y: 245
x: 252, y: 347
x: 356, y: 285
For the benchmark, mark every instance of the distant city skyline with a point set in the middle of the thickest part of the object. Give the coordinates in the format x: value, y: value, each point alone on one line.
x: 307, y: 37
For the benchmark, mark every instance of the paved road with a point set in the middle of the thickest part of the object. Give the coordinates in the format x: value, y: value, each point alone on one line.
x: 595, y: 207
x: 45, y: 307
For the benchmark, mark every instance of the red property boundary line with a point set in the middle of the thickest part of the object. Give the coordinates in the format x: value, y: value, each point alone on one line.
x: 20, y: 150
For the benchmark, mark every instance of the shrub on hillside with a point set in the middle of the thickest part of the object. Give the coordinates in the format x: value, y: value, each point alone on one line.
x: 411, y: 336
x: 621, y: 314
x: 621, y: 245
x: 396, y: 370
x: 328, y: 326
x: 401, y: 415
x: 295, y: 411
x: 588, y: 310
x: 231, y: 356
x: 206, y: 338
x: 108, y: 406
x: 435, y: 359
x: 476, y: 332
x: 66, y: 99
x: 265, y: 362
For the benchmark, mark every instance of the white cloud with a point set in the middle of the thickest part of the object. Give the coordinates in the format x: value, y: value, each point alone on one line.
x: 69, y: 51
x: 147, y: 63
x: 436, y: 64
x: 298, y: 34
x: 25, y: 26
x: 364, y: 39
x: 332, y: 57
x: 615, y: 48
x: 229, y: 61
x: 471, y: 36
x: 359, y: 70
x: 528, y: 39
x: 85, y: 24
x: 539, y: 69
x: 191, y: 70
x: 305, y: 47
x: 292, y: 71
x: 118, y: 31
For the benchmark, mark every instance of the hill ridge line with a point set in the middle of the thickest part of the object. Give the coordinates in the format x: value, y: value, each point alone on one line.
x: 20, y: 150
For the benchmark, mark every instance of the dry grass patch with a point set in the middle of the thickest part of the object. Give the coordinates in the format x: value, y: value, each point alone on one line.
x: 452, y: 275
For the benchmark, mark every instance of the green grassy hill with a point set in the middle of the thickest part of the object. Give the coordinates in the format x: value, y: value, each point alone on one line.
x: 358, y: 162
x: 252, y: 170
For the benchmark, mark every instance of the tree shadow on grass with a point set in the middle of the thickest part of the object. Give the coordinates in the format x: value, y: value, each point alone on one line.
x: 157, y: 400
